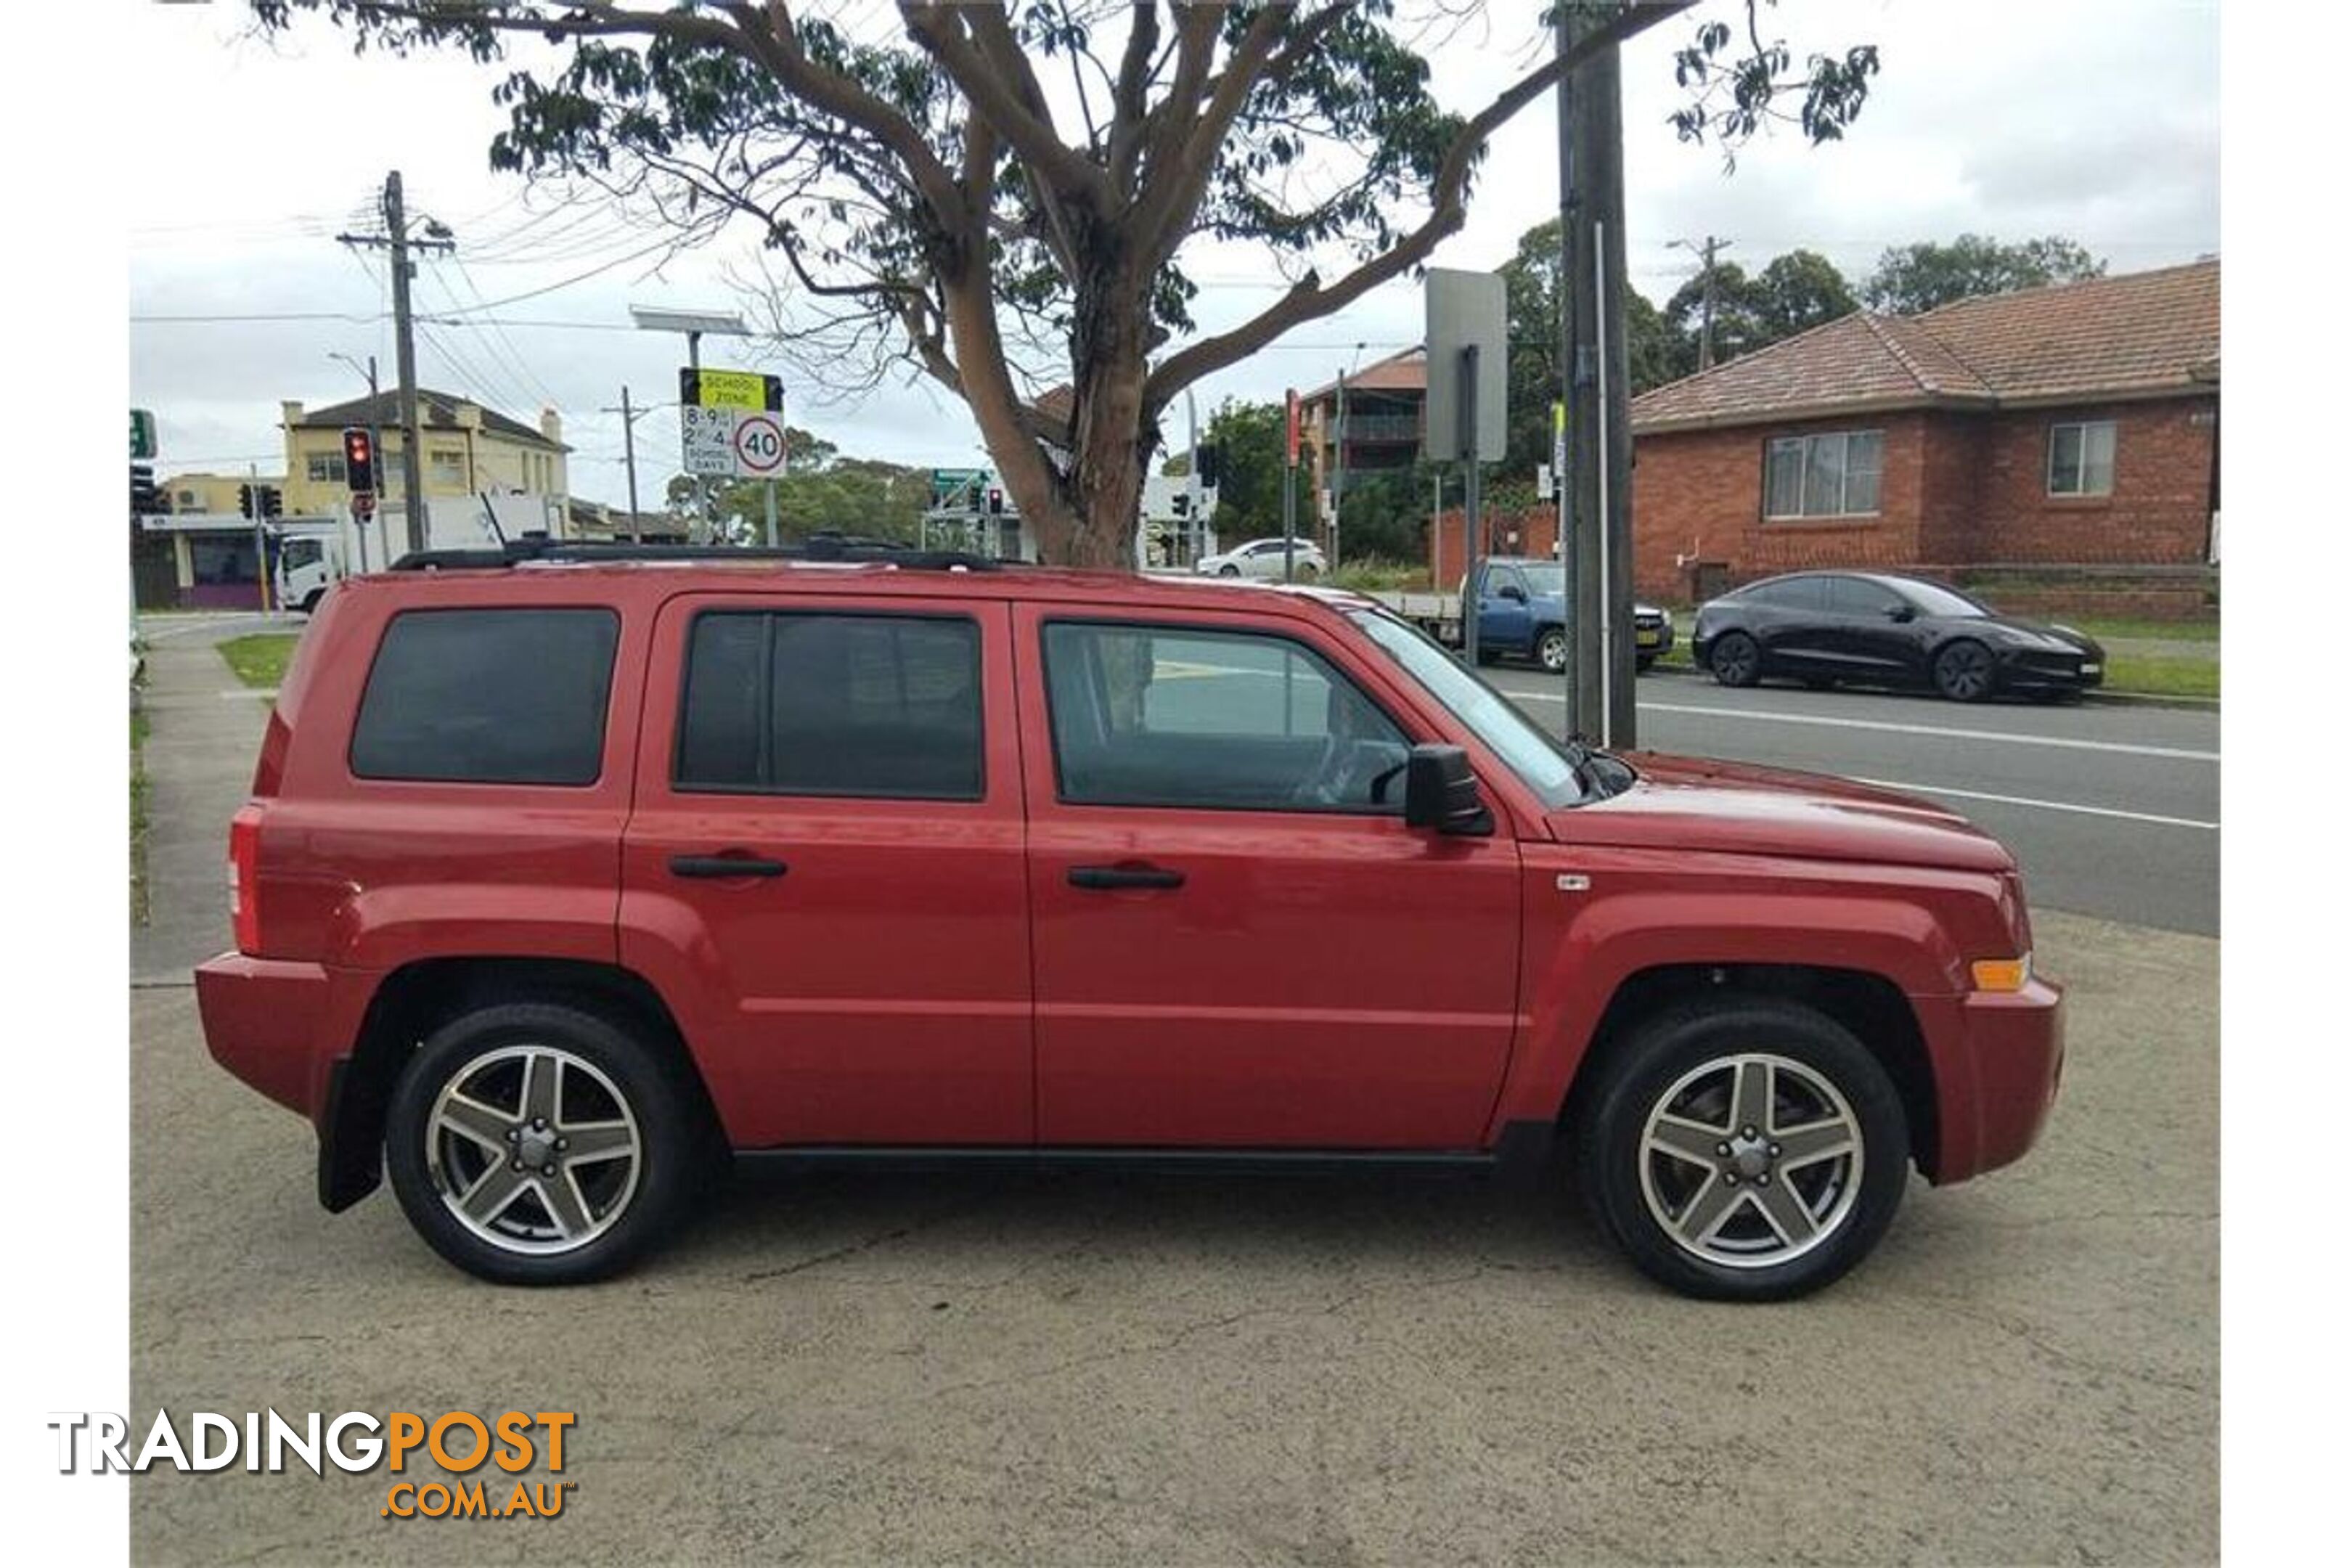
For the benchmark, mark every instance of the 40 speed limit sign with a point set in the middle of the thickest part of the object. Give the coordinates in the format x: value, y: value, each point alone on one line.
x: 758, y: 445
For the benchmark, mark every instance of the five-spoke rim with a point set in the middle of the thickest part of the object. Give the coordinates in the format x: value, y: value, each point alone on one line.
x: 533, y: 1148
x: 1750, y: 1161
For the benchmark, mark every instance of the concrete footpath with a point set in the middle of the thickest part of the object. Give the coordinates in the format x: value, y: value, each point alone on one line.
x: 1107, y: 1368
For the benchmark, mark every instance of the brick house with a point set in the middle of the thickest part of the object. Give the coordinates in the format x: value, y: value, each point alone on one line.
x: 2072, y: 429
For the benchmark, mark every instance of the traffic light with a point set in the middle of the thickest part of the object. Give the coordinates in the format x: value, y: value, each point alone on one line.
x: 996, y: 503
x: 359, y: 460
x: 273, y: 501
x: 1210, y: 460
x: 144, y: 500
x: 245, y: 501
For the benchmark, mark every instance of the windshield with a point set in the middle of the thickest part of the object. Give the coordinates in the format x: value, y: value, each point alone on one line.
x: 1934, y: 599
x: 1545, y: 579
x: 1510, y: 734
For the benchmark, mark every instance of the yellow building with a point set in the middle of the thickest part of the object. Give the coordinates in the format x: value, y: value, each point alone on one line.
x: 464, y: 449
x: 211, y: 493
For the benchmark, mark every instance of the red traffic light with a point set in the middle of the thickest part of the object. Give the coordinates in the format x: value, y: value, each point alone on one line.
x: 359, y: 460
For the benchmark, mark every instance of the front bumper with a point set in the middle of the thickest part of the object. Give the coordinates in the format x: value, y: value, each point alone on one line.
x: 1997, y: 1070
x: 1651, y: 640
x: 2033, y: 669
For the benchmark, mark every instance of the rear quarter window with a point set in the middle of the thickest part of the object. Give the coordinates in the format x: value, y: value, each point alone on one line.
x: 489, y: 695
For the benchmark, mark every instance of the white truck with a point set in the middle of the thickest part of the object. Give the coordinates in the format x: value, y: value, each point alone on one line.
x: 314, y: 553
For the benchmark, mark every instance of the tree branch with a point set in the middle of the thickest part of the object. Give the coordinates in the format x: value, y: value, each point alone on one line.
x: 1309, y: 300
x: 939, y: 29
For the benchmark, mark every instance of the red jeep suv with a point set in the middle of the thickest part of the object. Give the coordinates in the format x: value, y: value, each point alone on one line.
x: 567, y: 872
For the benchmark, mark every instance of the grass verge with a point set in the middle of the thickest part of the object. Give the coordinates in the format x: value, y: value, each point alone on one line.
x: 260, y: 659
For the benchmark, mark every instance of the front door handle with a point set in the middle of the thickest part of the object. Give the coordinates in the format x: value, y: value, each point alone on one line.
x: 1099, y: 877
x: 732, y: 864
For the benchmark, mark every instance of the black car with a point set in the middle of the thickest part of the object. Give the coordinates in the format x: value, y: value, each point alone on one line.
x: 1874, y: 629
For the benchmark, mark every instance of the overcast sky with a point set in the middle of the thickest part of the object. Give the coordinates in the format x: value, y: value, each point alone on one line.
x: 2096, y: 119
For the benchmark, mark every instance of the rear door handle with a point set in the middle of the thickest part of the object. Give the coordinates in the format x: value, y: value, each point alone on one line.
x: 733, y: 864
x: 1125, y: 877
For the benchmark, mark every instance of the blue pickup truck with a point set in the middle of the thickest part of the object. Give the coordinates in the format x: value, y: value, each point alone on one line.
x: 1523, y: 614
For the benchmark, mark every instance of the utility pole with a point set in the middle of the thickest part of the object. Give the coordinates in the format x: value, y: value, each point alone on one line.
x: 1601, y: 445
x: 1577, y: 676
x: 396, y: 239
x: 629, y: 456
x: 1704, y: 250
x: 1340, y: 469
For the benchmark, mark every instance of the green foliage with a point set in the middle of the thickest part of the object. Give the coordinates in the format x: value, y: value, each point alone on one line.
x: 260, y: 659
x: 1371, y: 574
x: 1915, y: 278
x: 822, y: 492
x: 1796, y: 292
x: 1531, y: 300
x: 1249, y: 498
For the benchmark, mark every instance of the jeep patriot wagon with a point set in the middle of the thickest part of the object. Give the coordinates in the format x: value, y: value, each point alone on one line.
x: 567, y: 871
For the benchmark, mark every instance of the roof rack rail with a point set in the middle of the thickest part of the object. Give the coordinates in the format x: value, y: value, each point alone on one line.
x: 827, y: 547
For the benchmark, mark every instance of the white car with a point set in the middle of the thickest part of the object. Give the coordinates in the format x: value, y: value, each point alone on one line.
x: 1262, y: 559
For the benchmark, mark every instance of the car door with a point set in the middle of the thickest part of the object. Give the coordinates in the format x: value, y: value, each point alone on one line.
x: 1237, y: 944
x: 1504, y: 621
x: 1792, y: 626
x: 1866, y: 640
x: 824, y: 871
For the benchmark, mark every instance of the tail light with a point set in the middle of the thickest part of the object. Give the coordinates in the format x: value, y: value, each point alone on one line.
x: 244, y: 878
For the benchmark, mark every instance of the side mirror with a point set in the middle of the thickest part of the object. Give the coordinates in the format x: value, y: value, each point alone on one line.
x: 1901, y: 613
x: 1512, y: 592
x: 1440, y: 793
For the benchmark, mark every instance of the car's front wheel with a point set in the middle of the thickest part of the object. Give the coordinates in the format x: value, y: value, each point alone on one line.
x: 1229, y: 570
x: 1964, y: 672
x: 1551, y: 651
x: 537, y: 1144
x: 1747, y: 1148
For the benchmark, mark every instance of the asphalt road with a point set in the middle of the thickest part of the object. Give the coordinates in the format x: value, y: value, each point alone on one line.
x: 2112, y: 809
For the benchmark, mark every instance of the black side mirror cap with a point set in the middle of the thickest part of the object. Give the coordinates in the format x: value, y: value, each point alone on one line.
x: 1900, y: 612
x: 1440, y: 793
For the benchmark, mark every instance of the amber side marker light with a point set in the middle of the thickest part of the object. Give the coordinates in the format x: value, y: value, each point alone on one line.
x: 2002, y: 973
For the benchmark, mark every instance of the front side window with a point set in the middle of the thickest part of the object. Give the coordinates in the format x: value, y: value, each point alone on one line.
x: 1510, y: 734
x: 325, y: 467
x: 1835, y: 475
x: 1220, y: 721
x: 299, y: 552
x: 823, y: 704
x: 2083, y: 458
x: 511, y: 697
x: 1861, y: 598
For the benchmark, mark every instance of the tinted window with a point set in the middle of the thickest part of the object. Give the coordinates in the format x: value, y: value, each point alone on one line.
x: 824, y: 704
x: 1934, y: 599
x: 1860, y: 596
x: 1161, y: 716
x: 1787, y: 593
x: 488, y: 697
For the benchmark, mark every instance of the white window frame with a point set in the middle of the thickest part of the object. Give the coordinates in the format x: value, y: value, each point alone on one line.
x: 446, y: 466
x: 2082, y: 428
x: 325, y: 467
x: 1806, y: 444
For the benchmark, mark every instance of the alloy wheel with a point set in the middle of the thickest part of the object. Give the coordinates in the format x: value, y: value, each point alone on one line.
x: 1751, y: 1161
x: 1964, y: 672
x: 533, y: 1148
x: 1553, y: 651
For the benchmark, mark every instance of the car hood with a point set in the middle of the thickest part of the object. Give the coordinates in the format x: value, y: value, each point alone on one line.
x: 1694, y: 803
x: 2066, y: 635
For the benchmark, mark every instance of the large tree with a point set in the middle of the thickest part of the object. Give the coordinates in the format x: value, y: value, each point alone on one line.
x: 939, y: 192
x: 1914, y: 277
x: 1531, y: 303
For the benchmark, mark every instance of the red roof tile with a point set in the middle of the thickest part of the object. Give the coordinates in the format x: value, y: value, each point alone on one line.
x: 2133, y: 335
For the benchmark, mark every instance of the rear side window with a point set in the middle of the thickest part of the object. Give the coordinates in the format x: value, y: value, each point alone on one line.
x: 800, y: 703
x: 514, y: 697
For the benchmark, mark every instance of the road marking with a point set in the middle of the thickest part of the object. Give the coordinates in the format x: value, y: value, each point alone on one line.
x: 1999, y: 736
x: 2044, y: 804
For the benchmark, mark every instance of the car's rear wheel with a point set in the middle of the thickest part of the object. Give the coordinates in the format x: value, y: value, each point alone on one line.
x: 1551, y: 651
x: 1744, y: 1149
x: 1736, y: 659
x: 536, y: 1143
x: 1964, y: 671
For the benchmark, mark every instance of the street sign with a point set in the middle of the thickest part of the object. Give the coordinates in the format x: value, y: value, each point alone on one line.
x: 1290, y: 428
x: 759, y: 446
x: 143, y: 434
x: 709, y: 441
x: 957, y: 490
x: 731, y: 389
x: 1464, y: 311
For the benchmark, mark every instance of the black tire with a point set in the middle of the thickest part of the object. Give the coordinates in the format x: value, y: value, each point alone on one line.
x: 311, y: 601
x: 1736, y: 659
x: 1551, y: 651
x: 1642, y: 661
x: 1620, y: 1177
x: 1963, y: 670
x: 673, y: 1143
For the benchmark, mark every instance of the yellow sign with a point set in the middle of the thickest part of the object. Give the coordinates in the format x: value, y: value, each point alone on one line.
x: 732, y: 389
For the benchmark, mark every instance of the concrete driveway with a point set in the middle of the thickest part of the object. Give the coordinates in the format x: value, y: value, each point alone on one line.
x: 1101, y: 1368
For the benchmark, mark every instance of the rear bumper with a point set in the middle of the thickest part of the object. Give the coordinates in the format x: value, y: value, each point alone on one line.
x: 1999, y: 1076
x: 279, y: 1024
